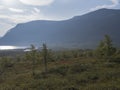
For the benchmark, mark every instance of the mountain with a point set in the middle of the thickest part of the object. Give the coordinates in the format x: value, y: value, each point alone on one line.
x: 80, y: 31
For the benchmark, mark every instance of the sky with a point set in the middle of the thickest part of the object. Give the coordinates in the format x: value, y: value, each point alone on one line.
x: 13, y: 12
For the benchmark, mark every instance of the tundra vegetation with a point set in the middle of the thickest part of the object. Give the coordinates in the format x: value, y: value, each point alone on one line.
x: 68, y: 69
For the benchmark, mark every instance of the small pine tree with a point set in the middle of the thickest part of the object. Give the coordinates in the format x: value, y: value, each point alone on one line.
x: 45, y: 54
x: 33, y: 55
x: 105, y: 48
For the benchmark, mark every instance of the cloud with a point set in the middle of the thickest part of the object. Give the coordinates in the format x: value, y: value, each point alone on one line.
x: 21, y: 16
x: 37, y: 10
x: 1, y: 7
x: 16, y: 10
x: 37, y: 2
x: 114, y: 4
x: 25, y: 18
x: 101, y: 6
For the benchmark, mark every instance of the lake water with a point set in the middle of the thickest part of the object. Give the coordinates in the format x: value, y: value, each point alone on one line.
x: 10, y: 47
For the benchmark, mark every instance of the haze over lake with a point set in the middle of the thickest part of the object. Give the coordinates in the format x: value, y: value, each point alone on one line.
x: 10, y: 47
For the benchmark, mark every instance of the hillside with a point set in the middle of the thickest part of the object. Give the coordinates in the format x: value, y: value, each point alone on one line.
x: 80, y: 31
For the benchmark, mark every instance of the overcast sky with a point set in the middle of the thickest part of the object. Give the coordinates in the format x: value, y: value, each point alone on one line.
x: 13, y: 12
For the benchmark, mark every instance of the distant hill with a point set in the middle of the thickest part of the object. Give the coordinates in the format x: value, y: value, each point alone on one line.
x: 80, y: 31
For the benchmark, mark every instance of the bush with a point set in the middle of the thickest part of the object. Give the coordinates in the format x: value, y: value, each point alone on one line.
x: 115, y: 58
x: 78, y: 68
x: 60, y: 70
x: 5, y: 63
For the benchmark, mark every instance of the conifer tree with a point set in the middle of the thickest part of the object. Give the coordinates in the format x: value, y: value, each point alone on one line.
x: 33, y: 55
x: 45, y: 54
x: 105, y: 48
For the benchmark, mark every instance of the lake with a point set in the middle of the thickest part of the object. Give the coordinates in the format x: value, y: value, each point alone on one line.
x: 11, y: 47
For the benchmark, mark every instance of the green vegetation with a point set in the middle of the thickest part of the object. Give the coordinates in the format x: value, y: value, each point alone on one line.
x: 62, y: 70
x: 105, y: 48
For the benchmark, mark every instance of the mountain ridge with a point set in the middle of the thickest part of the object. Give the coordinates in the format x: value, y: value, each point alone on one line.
x: 82, y: 31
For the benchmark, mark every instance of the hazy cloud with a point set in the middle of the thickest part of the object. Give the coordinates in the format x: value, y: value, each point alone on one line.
x: 114, y: 3
x: 16, y: 10
x: 37, y: 2
x: 37, y: 10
